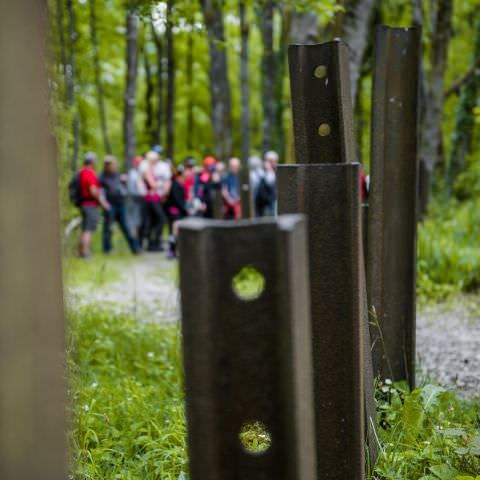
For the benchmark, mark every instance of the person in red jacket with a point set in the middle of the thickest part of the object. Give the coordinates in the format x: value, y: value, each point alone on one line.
x: 91, y: 198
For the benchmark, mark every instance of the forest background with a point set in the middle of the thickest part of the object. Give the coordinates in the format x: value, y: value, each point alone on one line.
x: 211, y: 76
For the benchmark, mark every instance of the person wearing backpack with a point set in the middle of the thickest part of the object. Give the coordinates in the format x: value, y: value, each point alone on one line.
x: 115, y: 190
x: 89, y: 198
x: 266, y: 194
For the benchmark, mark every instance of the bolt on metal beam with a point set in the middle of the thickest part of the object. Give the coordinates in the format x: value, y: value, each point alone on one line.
x: 247, y: 349
x: 330, y: 196
x: 321, y: 103
x: 393, y: 201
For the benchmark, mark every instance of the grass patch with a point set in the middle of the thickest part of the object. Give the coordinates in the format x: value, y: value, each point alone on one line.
x: 126, y: 391
x: 127, y: 399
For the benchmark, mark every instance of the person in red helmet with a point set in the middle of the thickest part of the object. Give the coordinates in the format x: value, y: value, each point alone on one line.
x: 205, y: 184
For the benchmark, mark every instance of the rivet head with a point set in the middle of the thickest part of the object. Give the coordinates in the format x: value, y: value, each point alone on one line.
x: 320, y: 71
x: 324, y: 130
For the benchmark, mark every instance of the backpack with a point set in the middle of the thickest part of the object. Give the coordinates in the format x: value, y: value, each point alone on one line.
x: 74, y: 190
x: 265, y: 193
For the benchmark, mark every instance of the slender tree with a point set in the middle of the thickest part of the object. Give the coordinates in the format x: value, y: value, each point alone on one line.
x: 70, y: 84
x: 265, y: 10
x: 244, y: 84
x: 353, y: 26
x: 218, y: 72
x: 190, y: 92
x: 170, y: 81
x: 149, y: 96
x: 98, y: 77
x: 431, y: 146
x: 131, y: 83
x: 160, y: 91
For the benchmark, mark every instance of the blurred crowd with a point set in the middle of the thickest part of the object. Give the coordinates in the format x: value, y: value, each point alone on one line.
x: 154, y: 195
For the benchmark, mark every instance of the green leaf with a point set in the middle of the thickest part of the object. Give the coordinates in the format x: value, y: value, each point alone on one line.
x: 444, y: 472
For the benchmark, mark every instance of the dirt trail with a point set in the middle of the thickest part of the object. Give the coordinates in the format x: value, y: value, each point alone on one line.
x: 147, y: 289
x: 448, y: 335
x: 448, y: 344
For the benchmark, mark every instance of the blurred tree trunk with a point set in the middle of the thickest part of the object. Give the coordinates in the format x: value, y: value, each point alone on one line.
x: 160, y: 101
x: 59, y: 16
x: 462, y: 136
x: 190, y: 78
x: 98, y: 78
x: 244, y: 85
x: 70, y: 85
x: 149, y: 95
x: 219, y: 85
x: 265, y: 15
x: 170, y: 82
x: 354, y: 28
x: 131, y: 85
x: 431, y: 145
x: 281, y: 102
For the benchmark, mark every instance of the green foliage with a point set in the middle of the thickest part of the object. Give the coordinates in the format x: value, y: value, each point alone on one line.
x: 127, y: 399
x: 427, y: 434
x: 448, y: 250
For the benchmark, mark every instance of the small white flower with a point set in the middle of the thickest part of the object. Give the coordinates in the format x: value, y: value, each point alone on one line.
x: 388, y: 381
x: 94, y: 385
x: 150, y: 354
x: 86, y: 408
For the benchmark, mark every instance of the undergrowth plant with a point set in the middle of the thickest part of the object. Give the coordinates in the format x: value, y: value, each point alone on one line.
x: 127, y: 411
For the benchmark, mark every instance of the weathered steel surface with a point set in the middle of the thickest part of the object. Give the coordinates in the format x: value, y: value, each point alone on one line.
x: 321, y: 103
x: 247, y: 360
x: 393, y: 201
x: 32, y: 374
x: 330, y: 196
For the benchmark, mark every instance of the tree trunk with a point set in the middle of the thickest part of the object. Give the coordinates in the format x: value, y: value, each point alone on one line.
x: 354, y: 30
x: 70, y: 85
x: 219, y: 85
x: 131, y: 86
x: 431, y: 142
x: 281, y: 64
x: 265, y: 14
x: 149, y: 94
x: 62, y: 44
x: 190, y: 79
x: 244, y: 85
x: 170, y: 83
x: 465, y: 120
x: 160, y: 101
x: 98, y: 79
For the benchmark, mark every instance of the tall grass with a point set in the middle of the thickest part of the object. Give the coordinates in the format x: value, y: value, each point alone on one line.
x: 127, y: 399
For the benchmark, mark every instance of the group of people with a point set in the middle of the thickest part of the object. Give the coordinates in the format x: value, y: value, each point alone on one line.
x: 155, y: 193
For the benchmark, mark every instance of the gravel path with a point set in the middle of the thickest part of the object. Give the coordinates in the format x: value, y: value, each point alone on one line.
x: 147, y: 290
x: 448, y: 344
x: 448, y: 334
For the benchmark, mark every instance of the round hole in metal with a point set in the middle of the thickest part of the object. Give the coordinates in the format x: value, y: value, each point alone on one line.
x: 248, y: 284
x: 255, y: 437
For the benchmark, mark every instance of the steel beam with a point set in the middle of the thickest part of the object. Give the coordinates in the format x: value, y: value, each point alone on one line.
x: 321, y: 103
x: 33, y: 438
x: 393, y: 201
x: 247, y: 360
x: 330, y: 196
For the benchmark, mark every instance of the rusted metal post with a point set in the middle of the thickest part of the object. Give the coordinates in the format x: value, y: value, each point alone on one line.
x: 321, y: 103
x: 393, y: 202
x: 330, y: 195
x: 247, y: 358
x: 32, y: 342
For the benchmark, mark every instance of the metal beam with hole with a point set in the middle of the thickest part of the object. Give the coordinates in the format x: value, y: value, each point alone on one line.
x: 247, y: 355
x: 393, y: 201
x: 330, y: 196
